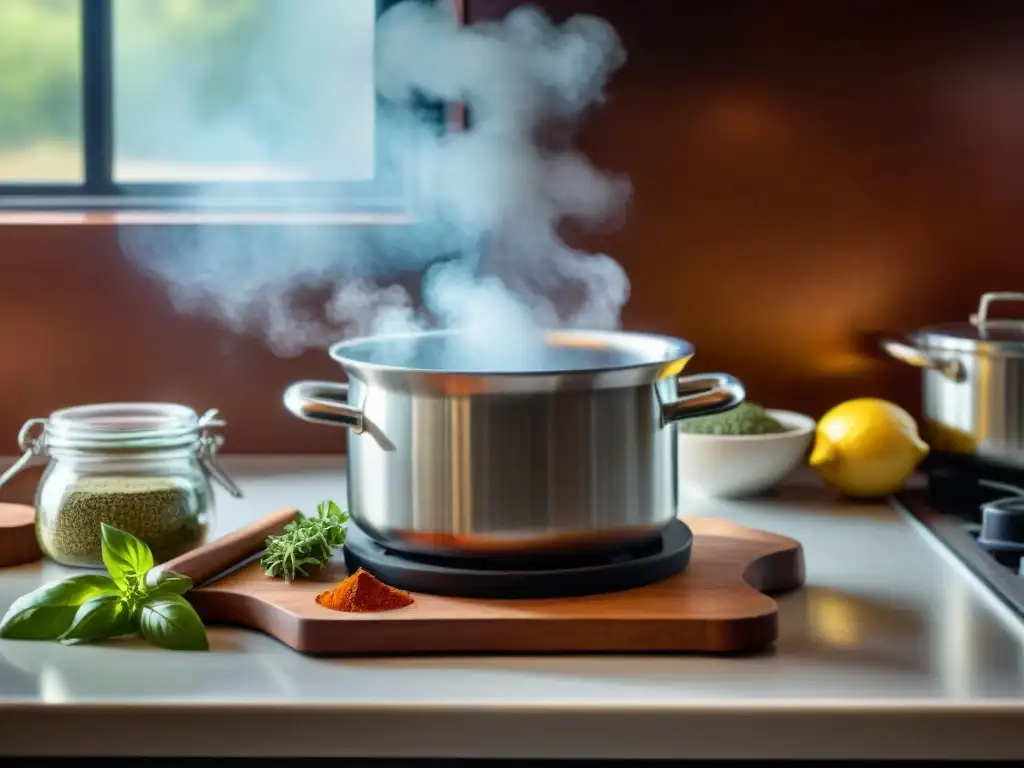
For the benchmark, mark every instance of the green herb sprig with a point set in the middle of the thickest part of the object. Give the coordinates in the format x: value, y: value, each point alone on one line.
x: 92, y: 607
x: 307, y: 542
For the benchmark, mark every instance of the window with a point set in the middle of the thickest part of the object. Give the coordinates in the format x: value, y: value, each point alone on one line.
x: 183, y: 104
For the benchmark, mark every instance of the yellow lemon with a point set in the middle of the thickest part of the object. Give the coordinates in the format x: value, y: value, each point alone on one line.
x: 867, y: 447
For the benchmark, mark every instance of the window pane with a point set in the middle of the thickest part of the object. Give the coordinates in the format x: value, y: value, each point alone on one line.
x: 235, y: 90
x: 40, y: 91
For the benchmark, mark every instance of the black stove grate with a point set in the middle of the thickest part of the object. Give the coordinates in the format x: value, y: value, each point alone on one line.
x: 953, y: 508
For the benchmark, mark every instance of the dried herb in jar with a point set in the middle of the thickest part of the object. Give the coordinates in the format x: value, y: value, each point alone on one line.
x: 156, y: 510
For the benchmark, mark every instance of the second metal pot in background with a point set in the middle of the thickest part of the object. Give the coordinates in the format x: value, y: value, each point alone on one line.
x: 973, y: 382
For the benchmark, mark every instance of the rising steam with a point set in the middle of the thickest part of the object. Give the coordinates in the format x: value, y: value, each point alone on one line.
x: 486, y: 203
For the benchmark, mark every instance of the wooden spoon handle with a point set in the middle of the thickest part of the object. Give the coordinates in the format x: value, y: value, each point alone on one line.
x: 219, y: 555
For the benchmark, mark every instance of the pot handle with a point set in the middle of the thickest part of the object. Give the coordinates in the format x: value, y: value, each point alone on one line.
x: 952, y: 369
x: 702, y: 395
x: 323, y: 402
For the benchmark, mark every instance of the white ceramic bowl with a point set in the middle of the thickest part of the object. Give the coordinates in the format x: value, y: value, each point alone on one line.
x: 729, y: 466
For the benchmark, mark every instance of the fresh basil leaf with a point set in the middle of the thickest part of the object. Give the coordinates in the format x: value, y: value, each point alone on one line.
x: 168, y: 583
x: 169, y: 621
x: 46, y: 613
x: 99, y: 618
x: 124, y: 554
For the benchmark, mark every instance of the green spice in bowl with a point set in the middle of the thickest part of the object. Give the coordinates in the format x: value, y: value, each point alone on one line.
x: 745, y: 419
x: 741, y: 452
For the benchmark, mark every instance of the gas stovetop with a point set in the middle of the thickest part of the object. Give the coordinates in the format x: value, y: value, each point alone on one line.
x: 976, y: 509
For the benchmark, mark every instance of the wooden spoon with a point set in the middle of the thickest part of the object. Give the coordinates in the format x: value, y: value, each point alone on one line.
x: 219, y: 555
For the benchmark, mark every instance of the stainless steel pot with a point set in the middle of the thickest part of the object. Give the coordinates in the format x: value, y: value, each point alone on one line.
x: 973, y: 382
x: 574, y: 448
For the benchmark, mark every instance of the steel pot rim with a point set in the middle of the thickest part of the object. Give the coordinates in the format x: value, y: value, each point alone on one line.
x: 619, y: 341
x: 696, y: 395
x: 646, y: 358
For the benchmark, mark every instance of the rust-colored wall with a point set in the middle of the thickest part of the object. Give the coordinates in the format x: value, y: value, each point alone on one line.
x: 804, y: 171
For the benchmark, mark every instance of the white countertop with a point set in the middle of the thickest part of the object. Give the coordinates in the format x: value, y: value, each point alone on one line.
x: 892, y: 649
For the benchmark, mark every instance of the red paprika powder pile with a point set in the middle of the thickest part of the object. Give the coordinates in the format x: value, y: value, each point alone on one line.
x: 362, y: 592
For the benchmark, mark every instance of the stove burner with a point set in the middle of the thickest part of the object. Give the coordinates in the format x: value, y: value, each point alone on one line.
x: 1002, y: 530
x: 531, y: 576
x: 976, y: 509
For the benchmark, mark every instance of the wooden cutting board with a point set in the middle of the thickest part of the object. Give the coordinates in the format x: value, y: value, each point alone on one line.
x: 716, y: 605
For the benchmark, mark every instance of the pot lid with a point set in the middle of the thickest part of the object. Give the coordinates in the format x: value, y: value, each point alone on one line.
x: 981, y: 332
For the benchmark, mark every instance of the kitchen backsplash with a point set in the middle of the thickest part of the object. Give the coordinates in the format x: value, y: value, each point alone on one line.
x: 804, y: 173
